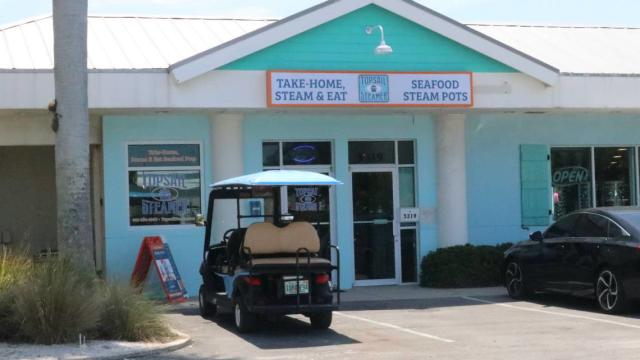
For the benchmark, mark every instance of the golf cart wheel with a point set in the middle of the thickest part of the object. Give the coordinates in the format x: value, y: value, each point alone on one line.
x: 515, y: 281
x: 245, y: 321
x: 321, y: 320
x: 207, y: 309
x: 610, y: 292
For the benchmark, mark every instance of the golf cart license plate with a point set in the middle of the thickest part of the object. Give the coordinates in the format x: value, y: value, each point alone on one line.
x: 291, y: 287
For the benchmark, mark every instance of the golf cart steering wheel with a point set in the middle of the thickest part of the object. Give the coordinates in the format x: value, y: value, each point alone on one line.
x: 227, y: 235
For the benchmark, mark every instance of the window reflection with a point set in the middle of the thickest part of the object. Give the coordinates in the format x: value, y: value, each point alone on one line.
x: 571, y: 179
x: 615, y: 176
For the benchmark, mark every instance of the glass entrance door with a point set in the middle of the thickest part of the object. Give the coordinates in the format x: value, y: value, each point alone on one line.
x: 375, y: 228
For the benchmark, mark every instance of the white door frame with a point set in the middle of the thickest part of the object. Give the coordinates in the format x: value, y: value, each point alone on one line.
x: 393, y: 169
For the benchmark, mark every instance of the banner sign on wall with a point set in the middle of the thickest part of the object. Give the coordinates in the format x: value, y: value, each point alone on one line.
x: 164, y: 155
x: 170, y: 192
x: 326, y: 89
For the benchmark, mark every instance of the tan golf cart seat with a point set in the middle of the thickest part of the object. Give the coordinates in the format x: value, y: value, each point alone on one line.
x: 272, y: 247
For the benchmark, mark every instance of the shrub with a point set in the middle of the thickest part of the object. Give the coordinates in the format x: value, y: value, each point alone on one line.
x: 56, y: 301
x: 463, y: 266
x: 127, y: 315
x: 52, y: 300
x: 14, y: 268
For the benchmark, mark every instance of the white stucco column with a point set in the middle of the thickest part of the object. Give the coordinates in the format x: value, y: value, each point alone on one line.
x: 452, y: 180
x: 228, y: 161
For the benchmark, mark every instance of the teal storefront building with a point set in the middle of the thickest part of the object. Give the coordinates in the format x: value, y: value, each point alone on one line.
x: 460, y: 135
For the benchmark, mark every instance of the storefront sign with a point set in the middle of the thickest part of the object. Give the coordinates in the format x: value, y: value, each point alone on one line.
x: 163, y: 197
x: 169, y: 193
x: 160, y: 155
x: 301, y: 88
x: 570, y: 175
x: 307, y: 198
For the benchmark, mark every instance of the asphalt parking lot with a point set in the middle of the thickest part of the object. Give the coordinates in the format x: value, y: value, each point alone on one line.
x: 462, y: 327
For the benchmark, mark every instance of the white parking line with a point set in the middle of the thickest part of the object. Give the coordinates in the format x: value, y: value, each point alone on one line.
x: 554, y: 313
x: 396, y: 327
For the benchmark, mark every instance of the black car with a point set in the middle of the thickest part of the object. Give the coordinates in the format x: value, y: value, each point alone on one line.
x: 591, y: 252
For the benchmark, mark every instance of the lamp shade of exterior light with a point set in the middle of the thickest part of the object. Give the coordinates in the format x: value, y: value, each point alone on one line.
x: 383, y: 49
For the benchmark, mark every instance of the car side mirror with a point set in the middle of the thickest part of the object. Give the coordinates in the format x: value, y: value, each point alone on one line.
x: 536, y: 236
x: 200, y: 221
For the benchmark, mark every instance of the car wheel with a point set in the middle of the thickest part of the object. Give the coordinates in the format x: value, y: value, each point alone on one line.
x: 610, y: 292
x: 321, y: 320
x: 245, y: 321
x: 514, y: 281
x: 207, y: 309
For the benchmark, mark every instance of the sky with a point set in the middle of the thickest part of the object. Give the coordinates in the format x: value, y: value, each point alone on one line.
x: 541, y: 12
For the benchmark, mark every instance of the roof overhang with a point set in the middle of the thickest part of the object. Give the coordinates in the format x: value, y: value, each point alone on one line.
x: 260, y: 39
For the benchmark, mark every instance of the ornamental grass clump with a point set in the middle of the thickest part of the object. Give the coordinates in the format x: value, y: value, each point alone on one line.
x: 56, y: 301
x: 14, y: 269
x: 127, y: 315
x: 53, y: 299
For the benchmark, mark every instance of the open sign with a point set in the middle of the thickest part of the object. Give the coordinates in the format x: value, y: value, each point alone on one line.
x: 570, y: 175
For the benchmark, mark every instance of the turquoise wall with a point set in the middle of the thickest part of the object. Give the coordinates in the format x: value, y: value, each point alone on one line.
x: 493, y: 161
x: 340, y: 129
x: 123, y: 241
x: 342, y: 44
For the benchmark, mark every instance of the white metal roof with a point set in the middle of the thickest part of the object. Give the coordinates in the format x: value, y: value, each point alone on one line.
x: 135, y: 43
x: 574, y: 50
x: 122, y: 42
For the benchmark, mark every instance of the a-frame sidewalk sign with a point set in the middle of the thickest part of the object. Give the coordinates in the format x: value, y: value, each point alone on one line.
x: 154, y: 250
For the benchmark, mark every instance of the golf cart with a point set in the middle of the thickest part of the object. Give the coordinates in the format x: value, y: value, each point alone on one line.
x: 268, y: 264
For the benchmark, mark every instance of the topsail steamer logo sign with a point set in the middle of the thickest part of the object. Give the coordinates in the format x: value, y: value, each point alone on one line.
x: 326, y: 89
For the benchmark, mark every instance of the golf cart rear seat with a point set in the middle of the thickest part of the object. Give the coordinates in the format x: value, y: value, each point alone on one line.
x: 267, y: 247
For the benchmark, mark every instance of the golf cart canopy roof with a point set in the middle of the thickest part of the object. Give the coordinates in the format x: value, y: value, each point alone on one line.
x: 279, y: 178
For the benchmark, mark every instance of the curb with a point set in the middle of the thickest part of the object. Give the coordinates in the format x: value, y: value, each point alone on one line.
x: 174, y: 345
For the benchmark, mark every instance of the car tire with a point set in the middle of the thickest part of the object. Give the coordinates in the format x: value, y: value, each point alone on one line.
x: 207, y: 309
x: 244, y: 320
x: 321, y: 320
x: 610, y: 294
x: 514, y: 281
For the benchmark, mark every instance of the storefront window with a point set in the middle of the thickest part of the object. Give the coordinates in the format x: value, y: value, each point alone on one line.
x: 572, y: 169
x: 571, y: 179
x: 296, y: 153
x: 305, y: 203
x: 306, y: 153
x: 407, y: 187
x: 271, y: 154
x: 615, y: 176
x: 164, y: 184
x: 405, y: 152
x: 372, y: 152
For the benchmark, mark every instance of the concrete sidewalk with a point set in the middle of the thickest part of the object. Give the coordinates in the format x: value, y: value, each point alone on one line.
x: 413, y: 292
x: 409, y: 297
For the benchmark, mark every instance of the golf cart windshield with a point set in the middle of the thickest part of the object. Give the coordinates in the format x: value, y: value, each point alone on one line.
x: 257, y: 196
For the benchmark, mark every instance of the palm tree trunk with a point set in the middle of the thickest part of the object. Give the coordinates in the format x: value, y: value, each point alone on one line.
x: 75, y: 235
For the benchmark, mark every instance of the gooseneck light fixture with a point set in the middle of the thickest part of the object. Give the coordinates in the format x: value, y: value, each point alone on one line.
x: 383, y: 48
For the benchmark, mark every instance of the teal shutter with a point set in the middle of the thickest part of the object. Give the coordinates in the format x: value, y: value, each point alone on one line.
x: 535, y: 185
